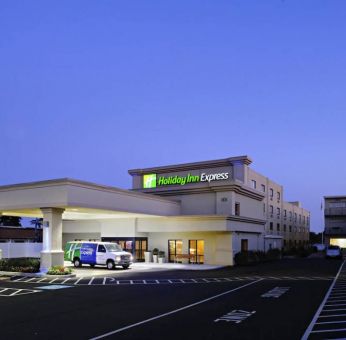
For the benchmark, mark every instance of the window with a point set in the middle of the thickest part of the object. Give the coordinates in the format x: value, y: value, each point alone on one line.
x: 264, y: 207
x: 285, y: 213
x: 290, y: 228
x: 175, y: 247
x: 101, y: 248
x: 278, y: 227
x: 253, y: 184
x: 244, y: 244
x: 196, y: 248
x: 271, y: 226
x: 237, y: 209
x: 263, y: 187
x: 284, y: 227
x: 278, y: 211
x: 295, y: 217
x: 278, y: 195
x: 271, y: 210
x: 271, y: 193
x: 290, y: 215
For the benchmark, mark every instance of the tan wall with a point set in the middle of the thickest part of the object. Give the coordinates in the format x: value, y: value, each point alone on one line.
x: 218, y: 246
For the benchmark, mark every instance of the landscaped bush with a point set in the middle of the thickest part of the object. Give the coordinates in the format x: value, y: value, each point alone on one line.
x: 24, y: 265
x: 245, y: 258
x: 59, y: 270
x: 273, y: 254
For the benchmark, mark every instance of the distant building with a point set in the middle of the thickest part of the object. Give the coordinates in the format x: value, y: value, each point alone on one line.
x: 335, y: 220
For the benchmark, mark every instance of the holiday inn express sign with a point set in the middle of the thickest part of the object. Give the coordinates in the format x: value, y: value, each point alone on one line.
x: 154, y: 180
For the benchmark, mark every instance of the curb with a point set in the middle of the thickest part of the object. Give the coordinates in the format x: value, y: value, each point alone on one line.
x: 4, y: 273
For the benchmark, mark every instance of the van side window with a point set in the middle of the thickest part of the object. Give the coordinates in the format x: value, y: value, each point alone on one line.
x: 101, y: 248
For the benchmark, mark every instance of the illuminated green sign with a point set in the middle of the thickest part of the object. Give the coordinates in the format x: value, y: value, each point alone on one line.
x: 149, y: 181
x: 153, y: 181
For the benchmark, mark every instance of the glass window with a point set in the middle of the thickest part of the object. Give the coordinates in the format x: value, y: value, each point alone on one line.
x: 253, y: 184
x: 271, y: 209
x: 237, y: 209
x: 264, y: 207
x: 285, y: 213
x: 271, y: 225
x: 244, y: 244
x: 101, y: 248
x: 284, y: 227
x: 278, y: 211
x: 263, y: 188
x: 278, y: 196
x: 271, y: 193
x: 196, y: 249
x: 278, y: 227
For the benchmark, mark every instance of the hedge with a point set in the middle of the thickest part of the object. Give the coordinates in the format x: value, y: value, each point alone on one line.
x: 24, y: 265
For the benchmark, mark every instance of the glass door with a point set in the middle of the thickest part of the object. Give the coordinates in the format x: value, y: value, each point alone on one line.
x: 196, y: 249
x: 175, y: 247
x: 141, y: 246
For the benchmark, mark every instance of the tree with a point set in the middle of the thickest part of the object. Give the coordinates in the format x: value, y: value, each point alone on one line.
x: 10, y: 221
x: 37, y: 222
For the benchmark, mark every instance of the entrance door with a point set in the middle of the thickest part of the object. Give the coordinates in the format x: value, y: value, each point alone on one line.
x: 141, y: 247
x: 196, y: 248
x: 244, y: 244
x: 175, y: 247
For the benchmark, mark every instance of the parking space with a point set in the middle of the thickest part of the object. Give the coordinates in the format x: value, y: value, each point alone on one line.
x: 275, y: 301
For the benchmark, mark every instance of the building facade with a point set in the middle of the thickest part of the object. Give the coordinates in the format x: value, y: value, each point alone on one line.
x: 335, y: 220
x: 204, y: 212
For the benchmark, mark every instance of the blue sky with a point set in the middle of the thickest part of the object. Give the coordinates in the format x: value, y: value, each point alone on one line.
x: 90, y: 89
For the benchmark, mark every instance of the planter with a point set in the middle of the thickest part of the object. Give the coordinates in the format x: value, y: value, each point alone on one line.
x: 147, y: 256
x: 162, y: 260
x: 155, y: 257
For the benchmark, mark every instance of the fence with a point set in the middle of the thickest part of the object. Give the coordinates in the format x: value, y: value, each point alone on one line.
x: 25, y: 249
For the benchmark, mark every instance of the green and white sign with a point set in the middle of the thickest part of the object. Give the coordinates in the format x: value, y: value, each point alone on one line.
x: 153, y: 180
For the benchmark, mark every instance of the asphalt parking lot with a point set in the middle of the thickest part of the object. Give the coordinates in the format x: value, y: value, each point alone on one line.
x: 270, y: 301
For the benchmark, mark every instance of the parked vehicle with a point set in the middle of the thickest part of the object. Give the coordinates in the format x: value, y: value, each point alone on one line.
x: 333, y: 252
x: 97, y: 253
x: 319, y: 246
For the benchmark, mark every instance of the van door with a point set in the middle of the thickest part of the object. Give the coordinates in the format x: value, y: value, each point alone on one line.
x: 101, y: 254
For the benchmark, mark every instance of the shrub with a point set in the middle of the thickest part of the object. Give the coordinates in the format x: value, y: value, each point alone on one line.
x: 273, y: 254
x: 24, y: 265
x: 244, y: 258
x: 59, y: 270
x: 161, y: 253
x: 155, y: 251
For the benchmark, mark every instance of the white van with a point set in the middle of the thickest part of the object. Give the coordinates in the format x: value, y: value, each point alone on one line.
x: 97, y: 253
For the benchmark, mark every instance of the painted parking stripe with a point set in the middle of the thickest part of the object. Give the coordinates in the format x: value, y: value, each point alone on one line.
x: 321, y: 309
x: 173, y: 311
x: 13, y: 292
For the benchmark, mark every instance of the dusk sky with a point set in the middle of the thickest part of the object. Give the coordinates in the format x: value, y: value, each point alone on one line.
x: 90, y: 89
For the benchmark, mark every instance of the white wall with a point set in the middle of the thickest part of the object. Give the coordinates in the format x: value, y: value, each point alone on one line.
x: 255, y: 241
x: 12, y: 250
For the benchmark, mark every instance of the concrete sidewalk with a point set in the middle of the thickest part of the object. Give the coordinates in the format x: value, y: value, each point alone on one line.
x: 86, y: 270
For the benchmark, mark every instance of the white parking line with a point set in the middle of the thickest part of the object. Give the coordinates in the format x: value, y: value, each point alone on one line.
x: 173, y: 311
x: 319, y: 310
x: 91, y: 281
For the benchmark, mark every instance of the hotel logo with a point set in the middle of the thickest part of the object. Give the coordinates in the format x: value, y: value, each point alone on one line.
x: 149, y: 181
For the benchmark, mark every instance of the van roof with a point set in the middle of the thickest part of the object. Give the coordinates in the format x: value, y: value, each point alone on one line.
x: 85, y: 241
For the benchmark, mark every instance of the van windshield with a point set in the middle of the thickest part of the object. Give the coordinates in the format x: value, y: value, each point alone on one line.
x: 113, y: 247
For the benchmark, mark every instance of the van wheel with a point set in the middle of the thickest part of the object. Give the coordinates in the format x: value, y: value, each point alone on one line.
x: 76, y: 262
x: 126, y: 266
x: 92, y: 265
x: 110, y: 264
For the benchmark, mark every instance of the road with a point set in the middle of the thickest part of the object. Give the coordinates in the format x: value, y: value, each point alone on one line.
x: 275, y: 300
